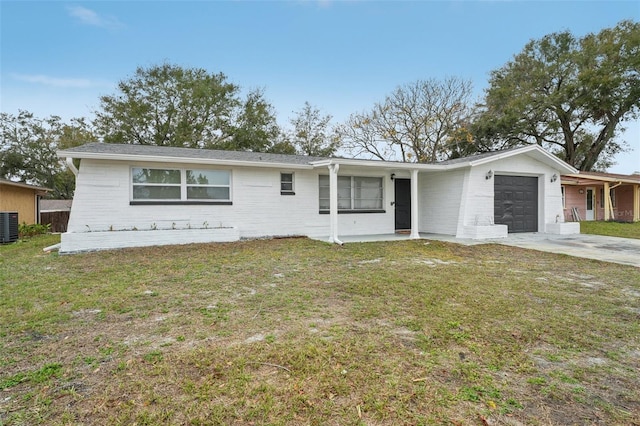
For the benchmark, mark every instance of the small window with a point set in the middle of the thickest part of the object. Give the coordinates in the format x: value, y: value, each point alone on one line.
x: 286, y: 184
x: 563, y: 197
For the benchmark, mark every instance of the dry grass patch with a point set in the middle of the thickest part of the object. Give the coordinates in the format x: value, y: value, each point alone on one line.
x: 300, y: 332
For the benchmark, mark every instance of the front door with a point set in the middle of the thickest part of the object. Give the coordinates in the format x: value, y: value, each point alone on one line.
x: 403, y: 203
x: 591, y: 201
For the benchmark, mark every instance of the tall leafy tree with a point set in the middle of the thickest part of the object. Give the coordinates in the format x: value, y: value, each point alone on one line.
x: 414, y: 123
x: 253, y: 128
x: 169, y: 105
x: 570, y: 95
x: 311, y: 134
x: 28, y: 146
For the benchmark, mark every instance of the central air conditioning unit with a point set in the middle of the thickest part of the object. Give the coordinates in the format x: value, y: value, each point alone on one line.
x: 8, y: 227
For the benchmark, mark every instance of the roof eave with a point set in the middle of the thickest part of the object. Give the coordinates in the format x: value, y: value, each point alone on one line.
x: 25, y: 185
x: 182, y: 160
x: 592, y: 178
x: 385, y: 164
x: 557, y: 163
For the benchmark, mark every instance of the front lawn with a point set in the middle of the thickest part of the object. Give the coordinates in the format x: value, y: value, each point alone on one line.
x: 295, y: 331
x: 611, y: 229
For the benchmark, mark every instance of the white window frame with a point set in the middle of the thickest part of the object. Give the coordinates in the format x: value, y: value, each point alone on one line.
x: 564, y: 195
x: 291, y: 191
x: 184, y: 199
x: 352, y: 199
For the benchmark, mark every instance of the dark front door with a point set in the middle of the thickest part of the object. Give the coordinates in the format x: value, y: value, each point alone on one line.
x: 516, y: 202
x: 403, y: 203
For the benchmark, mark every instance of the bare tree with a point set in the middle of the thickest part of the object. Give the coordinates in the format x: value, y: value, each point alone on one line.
x: 413, y: 124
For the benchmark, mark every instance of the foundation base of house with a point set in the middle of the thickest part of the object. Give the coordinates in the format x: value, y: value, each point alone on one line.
x: 73, y: 242
x: 481, y: 232
x: 563, y: 228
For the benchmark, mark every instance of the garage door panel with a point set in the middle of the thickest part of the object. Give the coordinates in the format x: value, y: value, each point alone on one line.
x: 516, y: 202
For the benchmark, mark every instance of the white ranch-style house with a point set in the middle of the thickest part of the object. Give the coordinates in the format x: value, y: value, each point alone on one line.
x: 137, y: 195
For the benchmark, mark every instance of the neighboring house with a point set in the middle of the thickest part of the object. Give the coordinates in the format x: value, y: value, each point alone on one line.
x: 22, y: 198
x: 134, y: 195
x: 56, y: 214
x: 601, y: 196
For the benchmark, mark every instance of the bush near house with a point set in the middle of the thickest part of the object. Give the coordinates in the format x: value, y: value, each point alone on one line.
x: 25, y: 231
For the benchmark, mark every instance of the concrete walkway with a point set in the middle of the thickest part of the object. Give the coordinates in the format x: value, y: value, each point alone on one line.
x: 625, y: 251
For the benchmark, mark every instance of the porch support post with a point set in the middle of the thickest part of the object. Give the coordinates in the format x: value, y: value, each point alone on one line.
x: 636, y: 203
x: 333, y: 203
x: 607, y: 201
x: 414, y: 205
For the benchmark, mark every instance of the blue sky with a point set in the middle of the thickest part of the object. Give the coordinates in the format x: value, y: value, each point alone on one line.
x: 58, y: 57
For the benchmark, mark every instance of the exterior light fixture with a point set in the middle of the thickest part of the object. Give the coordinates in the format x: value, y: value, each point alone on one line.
x: 393, y: 176
x: 554, y: 177
x: 489, y: 175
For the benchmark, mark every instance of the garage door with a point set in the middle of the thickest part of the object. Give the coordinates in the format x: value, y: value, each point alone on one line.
x: 516, y: 202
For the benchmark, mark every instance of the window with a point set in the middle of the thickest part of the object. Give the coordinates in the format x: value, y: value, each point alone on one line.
x: 286, y: 184
x: 208, y: 185
x: 156, y: 184
x: 180, y: 185
x: 563, y: 196
x: 355, y: 194
x: 601, y: 198
x: 612, y: 193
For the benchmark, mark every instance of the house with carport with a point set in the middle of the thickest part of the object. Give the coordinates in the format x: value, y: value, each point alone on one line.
x: 135, y: 195
x: 601, y: 196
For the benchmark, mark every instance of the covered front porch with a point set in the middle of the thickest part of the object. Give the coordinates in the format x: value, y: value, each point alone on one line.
x: 601, y: 196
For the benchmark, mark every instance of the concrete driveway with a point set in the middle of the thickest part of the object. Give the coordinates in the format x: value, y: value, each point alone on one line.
x: 625, y: 251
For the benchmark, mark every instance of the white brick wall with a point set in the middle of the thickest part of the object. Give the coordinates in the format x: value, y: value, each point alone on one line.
x: 103, y: 193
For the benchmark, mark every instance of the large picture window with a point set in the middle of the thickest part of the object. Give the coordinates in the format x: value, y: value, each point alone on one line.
x: 180, y: 185
x: 355, y: 193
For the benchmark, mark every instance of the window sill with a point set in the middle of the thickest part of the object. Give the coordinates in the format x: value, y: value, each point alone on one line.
x: 354, y: 211
x: 179, y: 203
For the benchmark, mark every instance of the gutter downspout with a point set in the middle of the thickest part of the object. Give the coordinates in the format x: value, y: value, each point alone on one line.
x: 72, y: 166
x: 333, y: 204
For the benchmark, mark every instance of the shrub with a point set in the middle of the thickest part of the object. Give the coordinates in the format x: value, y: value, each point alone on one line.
x: 25, y: 230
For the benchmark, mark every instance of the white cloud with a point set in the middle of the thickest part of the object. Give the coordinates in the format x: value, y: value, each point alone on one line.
x: 54, y: 81
x: 90, y: 17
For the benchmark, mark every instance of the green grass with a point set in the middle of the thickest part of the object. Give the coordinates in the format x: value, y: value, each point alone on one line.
x: 611, y: 229
x: 288, y: 332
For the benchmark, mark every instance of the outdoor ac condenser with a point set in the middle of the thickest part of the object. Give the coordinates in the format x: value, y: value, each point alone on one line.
x: 8, y: 227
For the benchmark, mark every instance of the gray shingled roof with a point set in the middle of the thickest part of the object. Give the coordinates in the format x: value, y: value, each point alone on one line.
x: 55, y: 205
x: 475, y: 157
x: 255, y: 157
x: 208, y: 154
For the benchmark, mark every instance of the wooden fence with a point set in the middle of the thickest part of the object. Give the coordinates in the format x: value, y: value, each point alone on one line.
x: 57, y: 219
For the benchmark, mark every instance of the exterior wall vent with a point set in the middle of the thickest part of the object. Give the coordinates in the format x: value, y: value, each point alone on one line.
x: 8, y: 227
